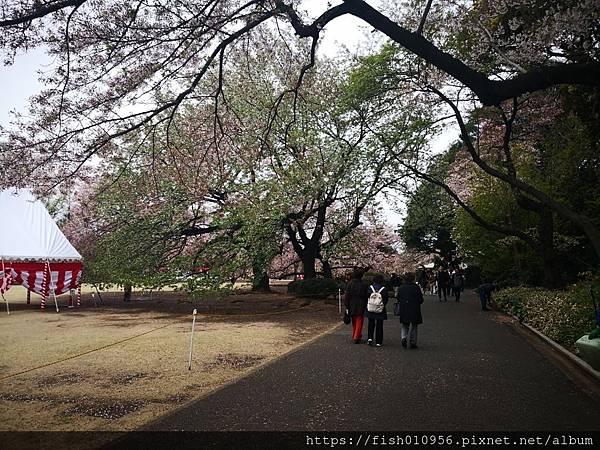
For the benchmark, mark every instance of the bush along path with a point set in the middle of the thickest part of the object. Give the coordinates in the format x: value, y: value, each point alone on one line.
x: 563, y: 316
x: 472, y: 371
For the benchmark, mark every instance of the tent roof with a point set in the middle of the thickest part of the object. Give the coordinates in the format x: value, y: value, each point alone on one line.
x: 28, y: 232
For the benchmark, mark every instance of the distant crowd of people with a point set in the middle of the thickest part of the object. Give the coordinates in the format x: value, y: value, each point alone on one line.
x: 362, y: 300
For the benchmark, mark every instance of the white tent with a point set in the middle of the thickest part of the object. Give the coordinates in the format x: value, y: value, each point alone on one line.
x: 28, y: 232
x: 33, y: 250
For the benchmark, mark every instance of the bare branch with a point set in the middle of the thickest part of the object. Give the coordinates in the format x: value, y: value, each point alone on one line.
x: 40, y: 10
x: 424, y: 17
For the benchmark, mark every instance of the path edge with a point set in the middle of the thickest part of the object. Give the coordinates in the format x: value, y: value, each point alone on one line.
x: 557, y: 347
x: 292, y: 350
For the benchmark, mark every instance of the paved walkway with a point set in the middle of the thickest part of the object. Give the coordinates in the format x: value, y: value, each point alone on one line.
x: 471, y: 372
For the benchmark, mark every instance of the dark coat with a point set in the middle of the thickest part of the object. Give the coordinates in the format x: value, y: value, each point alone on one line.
x: 457, y: 280
x: 356, y: 296
x: 410, y: 298
x: 385, y: 296
x: 485, y: 290
x: 443, y: 278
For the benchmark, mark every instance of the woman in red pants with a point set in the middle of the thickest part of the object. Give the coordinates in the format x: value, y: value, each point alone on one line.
x: 355, y: 300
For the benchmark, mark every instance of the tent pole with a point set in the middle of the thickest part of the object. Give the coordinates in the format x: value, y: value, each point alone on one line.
x: 8, y: 280
x: 45, y: 284
x: 28, y: 297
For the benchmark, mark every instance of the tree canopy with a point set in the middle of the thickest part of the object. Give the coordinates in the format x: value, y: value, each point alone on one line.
x: 213, y: 129
x: 125, y: 66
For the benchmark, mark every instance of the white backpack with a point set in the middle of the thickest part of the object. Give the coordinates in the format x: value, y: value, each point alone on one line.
x: 375, y: 303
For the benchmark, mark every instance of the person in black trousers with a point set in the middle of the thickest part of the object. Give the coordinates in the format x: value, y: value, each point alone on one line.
x: 443, y: 279
x: 458, y: 282
x: 485, y: 294
x: 376, y: 319
x: 410, y: 299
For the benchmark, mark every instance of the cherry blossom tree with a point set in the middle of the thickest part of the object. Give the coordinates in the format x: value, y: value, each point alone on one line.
x: 129, y: 76
x: 125, y: 66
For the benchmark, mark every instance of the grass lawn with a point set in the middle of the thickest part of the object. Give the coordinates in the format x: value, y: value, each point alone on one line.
x: 115, y: 365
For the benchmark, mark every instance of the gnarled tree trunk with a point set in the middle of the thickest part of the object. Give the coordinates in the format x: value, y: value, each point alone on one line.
x: 309, y: 261
x: 327, y: 271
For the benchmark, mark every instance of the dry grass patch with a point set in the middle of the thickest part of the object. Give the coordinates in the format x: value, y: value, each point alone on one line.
x: 122, y: 386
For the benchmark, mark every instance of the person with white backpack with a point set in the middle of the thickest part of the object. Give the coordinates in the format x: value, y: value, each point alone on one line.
x: 376, y: 312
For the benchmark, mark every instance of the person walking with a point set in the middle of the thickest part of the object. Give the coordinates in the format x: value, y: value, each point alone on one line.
x: 395, y: 282
x: 355, y: 301
x: 458, y: 282
x: 431, y: 284
x: 409, y: 305
x: 443, y: 279
x: 423, y: 280
x: 375, y: 325
x: 485, y: 294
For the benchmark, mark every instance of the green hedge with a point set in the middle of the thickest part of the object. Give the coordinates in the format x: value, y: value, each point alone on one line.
x: 563, y: 316
x: 313, y: 287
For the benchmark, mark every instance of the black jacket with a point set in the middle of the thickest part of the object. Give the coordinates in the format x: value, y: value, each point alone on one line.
x: 457, y: 280
x: 443, y: 278
x: 356, y: 296
x: 385, y: 296
x: 410, y: 298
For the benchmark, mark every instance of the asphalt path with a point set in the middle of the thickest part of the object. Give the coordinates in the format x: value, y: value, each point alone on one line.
x: 472, y: 371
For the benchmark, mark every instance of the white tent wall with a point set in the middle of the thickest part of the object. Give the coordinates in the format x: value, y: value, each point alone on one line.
x: 28, y: 232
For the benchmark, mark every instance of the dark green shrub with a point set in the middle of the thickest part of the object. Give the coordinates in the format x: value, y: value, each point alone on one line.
x: 563, y: 316
x: 313, y: 287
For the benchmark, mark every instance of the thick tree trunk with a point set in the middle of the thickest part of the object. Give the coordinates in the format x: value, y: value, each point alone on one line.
x: 514, y: 248
x: 296, y: 267
x: 552, y: 277
x: 127, y: 288
x: 260, y: 283
x: 545, y: 244
x: 260, y: 279
x: 309, y: 265
x: 327, y: 271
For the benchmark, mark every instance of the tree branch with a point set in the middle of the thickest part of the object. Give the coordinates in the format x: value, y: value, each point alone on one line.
x: 424, y: 17
x: 478, y: 219
x: 40, y: 11
x: 489, y: 92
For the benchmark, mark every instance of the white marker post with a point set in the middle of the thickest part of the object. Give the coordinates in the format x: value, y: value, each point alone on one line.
x: 55, y: 301
x: 7, y: 307
x: 192, y: 338
x: 340, y: 300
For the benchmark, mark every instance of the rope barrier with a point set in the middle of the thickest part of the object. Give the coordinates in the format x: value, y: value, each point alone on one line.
x: 81, y: 354
x: 87, y: 352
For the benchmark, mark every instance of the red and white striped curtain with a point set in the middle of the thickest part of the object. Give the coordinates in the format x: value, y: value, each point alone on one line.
x: 42, y: 277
